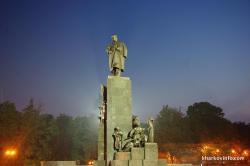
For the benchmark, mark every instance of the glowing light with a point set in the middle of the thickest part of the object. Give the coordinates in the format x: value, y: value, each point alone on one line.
x: 217, y: 150
x: 13, y: 152
x: 245, y: 152
x: 10, y: 152
x: 233, y: 151
x: 7, y: 152
x: 204, y: 149
x: 90, y: 162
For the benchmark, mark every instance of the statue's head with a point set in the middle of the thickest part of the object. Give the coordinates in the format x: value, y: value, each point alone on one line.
x: 150, y: 121
x: 114, y: 38
x: 136, y: 122
x: 116, y: 129
x: 151, y: 118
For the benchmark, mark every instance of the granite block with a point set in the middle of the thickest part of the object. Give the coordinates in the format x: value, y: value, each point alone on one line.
x: 150, y: 162
x: 135, y: 162
x: 137, y: 153
x: 151, y: 151
x: 122, y: 156
x: 119, y: 163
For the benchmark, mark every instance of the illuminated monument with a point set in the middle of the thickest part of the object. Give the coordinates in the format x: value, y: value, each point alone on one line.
x: 121, y: 139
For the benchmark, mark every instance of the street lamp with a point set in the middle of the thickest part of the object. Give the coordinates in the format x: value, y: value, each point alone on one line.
x: 90, y: 162
x: 10, y: 152
x: 233, y: 151
x: 245, y: 152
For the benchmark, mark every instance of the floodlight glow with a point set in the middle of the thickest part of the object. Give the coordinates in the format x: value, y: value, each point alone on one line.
x: 233, y: 151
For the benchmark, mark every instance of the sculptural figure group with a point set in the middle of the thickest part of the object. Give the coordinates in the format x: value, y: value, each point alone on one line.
x: 136, y: 137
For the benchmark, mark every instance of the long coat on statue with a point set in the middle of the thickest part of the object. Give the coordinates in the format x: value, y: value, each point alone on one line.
x: 117, y: 52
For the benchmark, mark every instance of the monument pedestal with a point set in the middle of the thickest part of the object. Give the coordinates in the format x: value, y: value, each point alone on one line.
x: 118, y: 114
x: 119, y: 106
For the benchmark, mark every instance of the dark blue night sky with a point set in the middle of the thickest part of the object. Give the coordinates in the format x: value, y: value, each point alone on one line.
x: 179, y: 52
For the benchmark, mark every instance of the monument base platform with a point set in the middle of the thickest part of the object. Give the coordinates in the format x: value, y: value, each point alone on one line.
x: 147, y: 156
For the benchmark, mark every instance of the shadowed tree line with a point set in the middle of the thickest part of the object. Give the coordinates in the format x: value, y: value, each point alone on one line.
x: 201, y: 131
x: 202, y: 123
x: 38, y: 136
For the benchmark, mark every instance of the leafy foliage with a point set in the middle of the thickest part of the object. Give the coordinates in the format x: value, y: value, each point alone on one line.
x: 170, y: 125
x: 203, y: 122
x: 39, y: 136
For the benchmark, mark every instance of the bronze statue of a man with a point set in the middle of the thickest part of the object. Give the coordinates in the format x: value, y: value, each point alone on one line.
x: 151, y: 130
x: 117, y: 136
x: 117, y: 52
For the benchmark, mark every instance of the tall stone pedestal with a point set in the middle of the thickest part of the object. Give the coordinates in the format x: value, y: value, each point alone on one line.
x: 119, y: 106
